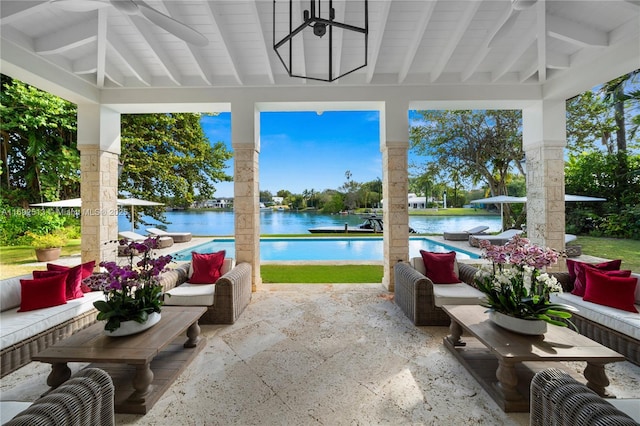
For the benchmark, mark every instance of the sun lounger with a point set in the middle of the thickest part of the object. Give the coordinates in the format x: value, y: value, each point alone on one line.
x: 497, y: 240
x: 464, y: 235
x: 178, y: 237
x: 163, y: 242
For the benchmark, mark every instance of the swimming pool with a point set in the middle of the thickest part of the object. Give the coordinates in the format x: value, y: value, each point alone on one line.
x: 286, y: 249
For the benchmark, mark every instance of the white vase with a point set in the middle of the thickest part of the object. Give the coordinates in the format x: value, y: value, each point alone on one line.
x: 127, y: 328
x: 518, y: 325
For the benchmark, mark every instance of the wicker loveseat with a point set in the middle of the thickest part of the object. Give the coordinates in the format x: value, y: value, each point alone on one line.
x: 558, y: 399
x: 420, y: 299
x: 86, y: 399
x: 225, y: 300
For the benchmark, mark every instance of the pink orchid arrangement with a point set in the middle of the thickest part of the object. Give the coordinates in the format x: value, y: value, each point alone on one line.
x: 516, y: 286
x: 132, y: 291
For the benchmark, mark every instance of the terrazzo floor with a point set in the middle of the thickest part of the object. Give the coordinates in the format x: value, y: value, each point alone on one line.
x: 322, y: 355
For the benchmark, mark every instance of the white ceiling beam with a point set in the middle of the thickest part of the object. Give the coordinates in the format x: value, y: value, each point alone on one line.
x: 528, y: 73
x: 156, y: 48
x: 374, y: 47
x: 263, y: 41
x: 416, y: 39
x: 101, y: 51
x: 507, y: 64
x: 119, y: 49
x: 67, y: 39
x: 541, y: 31
x: 459, y: 31
x: 216, y: 20
x: 194, y: 50
x: 575, y: 33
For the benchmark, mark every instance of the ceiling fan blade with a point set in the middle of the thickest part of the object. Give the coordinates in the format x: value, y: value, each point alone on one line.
x: 169, y: 24
x: 79, y: 5
x: 505, y: 28
x: 633, y: 2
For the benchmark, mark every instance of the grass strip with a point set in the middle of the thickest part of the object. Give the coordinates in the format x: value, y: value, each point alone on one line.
x: 612, y: 248
x: 325, y: 274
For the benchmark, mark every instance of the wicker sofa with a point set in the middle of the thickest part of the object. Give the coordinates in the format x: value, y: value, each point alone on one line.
x: 558, y: 399
x: 420, y: 299
x: 24, y: 334
x: 86, y: 399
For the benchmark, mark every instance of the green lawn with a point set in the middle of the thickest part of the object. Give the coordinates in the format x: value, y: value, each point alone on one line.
x: 613, y: 248
x: 313, y: 274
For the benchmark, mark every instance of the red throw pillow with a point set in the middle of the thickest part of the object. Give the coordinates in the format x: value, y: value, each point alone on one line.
x: 87, y: 268
x: 41, y: 293
x: 616, y: 292
x: 207, y: 267
x: 439, y: 267
x: 74, y: 279
x: 579, y: 268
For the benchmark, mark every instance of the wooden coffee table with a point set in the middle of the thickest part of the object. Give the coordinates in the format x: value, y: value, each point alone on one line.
x: 504, y: 362
x: 142, y: 366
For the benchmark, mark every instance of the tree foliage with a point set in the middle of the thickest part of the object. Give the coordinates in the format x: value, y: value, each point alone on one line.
x: 168, y: 158
x: 482, y: 146
x: 39, y: 158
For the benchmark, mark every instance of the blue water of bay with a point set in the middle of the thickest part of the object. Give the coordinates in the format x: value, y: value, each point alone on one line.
x: 221, y: 223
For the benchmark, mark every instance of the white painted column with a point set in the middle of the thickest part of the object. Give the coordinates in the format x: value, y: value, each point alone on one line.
x: 544, y: 140
x: 99, y: 145
x: 245, y: 140
x: 394, y: 144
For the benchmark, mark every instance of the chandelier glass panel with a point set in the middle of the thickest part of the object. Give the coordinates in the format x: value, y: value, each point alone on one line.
x: 321, y: 39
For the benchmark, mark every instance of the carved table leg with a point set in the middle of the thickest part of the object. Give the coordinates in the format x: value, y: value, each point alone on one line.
x: 597, y: 379
x: 141, y: 383
x: 60, y: 373
x: 507, y: 381
x: 455, y: 331
x: 193, y: 333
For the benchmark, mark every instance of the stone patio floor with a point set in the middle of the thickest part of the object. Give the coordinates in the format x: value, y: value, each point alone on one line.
x: 320, y: 354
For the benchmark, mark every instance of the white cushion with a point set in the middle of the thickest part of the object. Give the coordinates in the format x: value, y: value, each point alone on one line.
x: 18, y: 326
x: 625, y: 322
x: 11, y: 291
x: 456, y: 294
x: 191, y: 295
x: 629, y: 406
x: 10, y: 409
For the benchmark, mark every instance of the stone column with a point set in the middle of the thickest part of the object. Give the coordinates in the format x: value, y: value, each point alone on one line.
x: 395, y: 188
x: 99, y: 145
x: 246, y: 188
x: 544, y: 139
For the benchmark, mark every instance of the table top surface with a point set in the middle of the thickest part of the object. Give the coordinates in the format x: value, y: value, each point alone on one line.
x: 558, y: 343
x: 91, y: 345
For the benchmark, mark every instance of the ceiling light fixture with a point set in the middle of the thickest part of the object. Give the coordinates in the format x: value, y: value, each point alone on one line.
x: 304, y: 40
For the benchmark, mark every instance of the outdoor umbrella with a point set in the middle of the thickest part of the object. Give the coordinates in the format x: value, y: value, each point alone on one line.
x: 133, y: 202
x: 71, y: 203
x: 500, y: 199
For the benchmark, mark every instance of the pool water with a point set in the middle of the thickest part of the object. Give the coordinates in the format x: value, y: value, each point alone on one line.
x: 285, y: 249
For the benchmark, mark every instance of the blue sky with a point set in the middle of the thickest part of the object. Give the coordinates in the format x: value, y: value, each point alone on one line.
x: 304, y: 150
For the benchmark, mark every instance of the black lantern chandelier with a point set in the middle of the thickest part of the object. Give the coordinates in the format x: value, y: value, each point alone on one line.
x: 305, y: 52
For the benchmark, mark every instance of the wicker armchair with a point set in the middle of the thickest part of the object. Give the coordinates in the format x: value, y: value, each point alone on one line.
x: 558, y: 399
x: 86, y: 399
x: 414, y: 294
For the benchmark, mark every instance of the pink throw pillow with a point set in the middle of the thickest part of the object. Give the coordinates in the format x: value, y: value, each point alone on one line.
x: 41, y: 293
x: 439, y: 267
x: 615, y: 292
x: 207, y: 267
x: 579, y: 269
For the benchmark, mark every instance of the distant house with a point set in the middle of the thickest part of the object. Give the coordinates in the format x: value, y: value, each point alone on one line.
x: 415, y: 202
x: 277, y: 200
x: 220, y: 203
